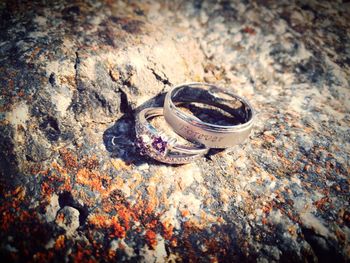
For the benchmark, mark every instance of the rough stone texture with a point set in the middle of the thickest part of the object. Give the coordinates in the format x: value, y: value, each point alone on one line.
x: 73, y: 74
x: 68, y: 219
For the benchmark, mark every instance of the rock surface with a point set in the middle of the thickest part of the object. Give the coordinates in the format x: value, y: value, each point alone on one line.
x: 68, y: 219
x: 72, y: 76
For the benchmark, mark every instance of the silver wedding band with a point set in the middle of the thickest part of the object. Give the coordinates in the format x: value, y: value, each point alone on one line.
x: 210, y: 135
x: 203, y: 134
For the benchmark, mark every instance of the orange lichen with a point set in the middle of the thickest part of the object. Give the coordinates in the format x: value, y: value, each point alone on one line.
x: 19, y: 193
x: 185, y: 213
x: 70, y: 160
x: 269, y: 138
x: 151, y: 238
x: 82, y: 255
x: 60, y: 218
x: 267, y: 208
x: 35, y: 168
x: 107, y: 206
x: 59, y: 169
x: 125, y: 215
x: 173, y: 242
x: 113, y: 223
x: 59, y: 244
x: 117, y: 228
x: 92, y: 179
x: 80, y: 194
x: 99, y: 220
x: 90, y: 163
x: 292, y: 230
x: 167, y: 230
x: 56, y: 179
x: 220, y: 220
x: 15, y: 215
x: 320, y: 204
x: 151, y: 205
x: 195, y: 223
x: 111, y: 254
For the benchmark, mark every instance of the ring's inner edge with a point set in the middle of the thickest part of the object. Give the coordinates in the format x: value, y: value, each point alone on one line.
x: 210, y: 95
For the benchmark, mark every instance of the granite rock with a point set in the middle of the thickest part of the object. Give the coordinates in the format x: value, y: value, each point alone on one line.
x: 73, y: 186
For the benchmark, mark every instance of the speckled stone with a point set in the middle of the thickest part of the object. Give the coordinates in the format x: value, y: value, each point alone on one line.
x: 75, y: 188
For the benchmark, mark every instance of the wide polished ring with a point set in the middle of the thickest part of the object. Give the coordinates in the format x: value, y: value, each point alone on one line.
x: 156, y: 145
x: 194, y: 129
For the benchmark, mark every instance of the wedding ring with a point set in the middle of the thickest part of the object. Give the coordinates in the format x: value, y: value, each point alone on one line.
x: 211, y: 135
x: 158, y: 146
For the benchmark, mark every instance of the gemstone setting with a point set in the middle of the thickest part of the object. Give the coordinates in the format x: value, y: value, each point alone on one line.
x: 153, y: 143
x: 159, y: 145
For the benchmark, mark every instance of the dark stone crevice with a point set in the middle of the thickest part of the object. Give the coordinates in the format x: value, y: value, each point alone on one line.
x: 8, y: 159
x: 76, y: 68
x: 124, y: 103
x: 322, y: 248
x: 52, y: 79
x: 75, y: 105
x: 125, y: 106
x: 165, y: 81
x: 51, y: 128
x: 104, y: 103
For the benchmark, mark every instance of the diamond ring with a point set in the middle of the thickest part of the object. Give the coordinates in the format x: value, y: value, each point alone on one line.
x: 158, y: 146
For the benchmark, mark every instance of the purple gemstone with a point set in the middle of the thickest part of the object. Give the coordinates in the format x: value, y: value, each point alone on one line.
x: 159, y: 145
